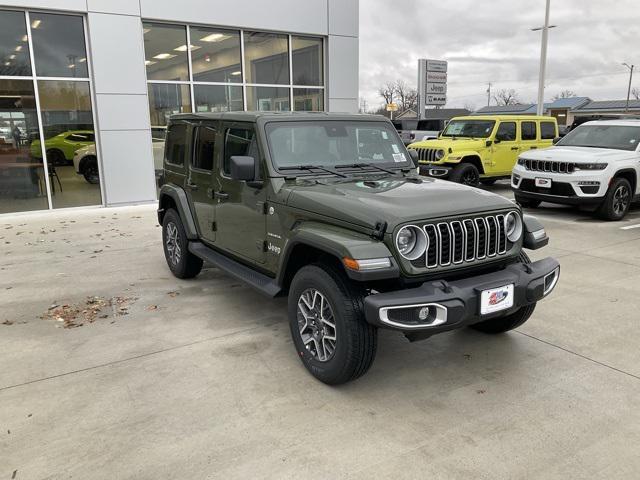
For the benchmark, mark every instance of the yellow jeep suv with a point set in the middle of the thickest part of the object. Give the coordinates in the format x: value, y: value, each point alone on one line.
x: 483, y: 148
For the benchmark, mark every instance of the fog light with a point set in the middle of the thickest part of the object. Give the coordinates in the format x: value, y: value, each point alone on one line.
x: 423, y: 314
x: 515, y: 178
x: 550, y: 281
x: 587, y: 184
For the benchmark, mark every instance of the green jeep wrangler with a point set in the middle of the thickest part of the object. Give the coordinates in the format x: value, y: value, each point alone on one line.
x: 329, y: 210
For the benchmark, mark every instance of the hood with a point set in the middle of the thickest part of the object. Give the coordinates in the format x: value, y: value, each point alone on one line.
x: 447, y: 143
x: 577, y: 154
x: 394, y: 200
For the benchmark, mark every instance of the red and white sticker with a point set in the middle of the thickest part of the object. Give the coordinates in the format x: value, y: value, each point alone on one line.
x: 496, y: 299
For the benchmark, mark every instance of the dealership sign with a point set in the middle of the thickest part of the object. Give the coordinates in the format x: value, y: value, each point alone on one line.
x: 432, y: 83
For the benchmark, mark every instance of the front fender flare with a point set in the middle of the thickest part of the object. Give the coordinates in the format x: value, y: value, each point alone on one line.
x: 339, y: 243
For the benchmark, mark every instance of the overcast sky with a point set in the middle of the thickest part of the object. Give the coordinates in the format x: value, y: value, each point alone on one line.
x: 492, y: 42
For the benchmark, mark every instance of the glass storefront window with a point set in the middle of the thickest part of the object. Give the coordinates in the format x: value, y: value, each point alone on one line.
x: 67, y: 121
x: 217, y: 98
x: 307, y: 58
x: 268, y: 98
x: 22, y: 175
x: 215, y: 55
x: 308, y: 99
x: 166, y: 99
x: 165, y: 48
x: 266, y: 58
x: 58, y: 45
x: 14, y: 46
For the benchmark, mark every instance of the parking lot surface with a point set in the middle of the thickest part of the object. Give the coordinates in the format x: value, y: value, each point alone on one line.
x: 112, y: 368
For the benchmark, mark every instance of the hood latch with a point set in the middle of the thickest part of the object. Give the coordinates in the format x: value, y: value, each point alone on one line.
x: 378, y: 232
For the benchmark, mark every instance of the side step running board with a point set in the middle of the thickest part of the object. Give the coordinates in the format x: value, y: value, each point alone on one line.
x: 255, y: 279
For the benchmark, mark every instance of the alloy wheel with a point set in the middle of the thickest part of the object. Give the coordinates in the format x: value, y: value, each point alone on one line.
x: 316, y: 324
x: 173, y: 243
x: 621, y: 198
x: 470, y: 178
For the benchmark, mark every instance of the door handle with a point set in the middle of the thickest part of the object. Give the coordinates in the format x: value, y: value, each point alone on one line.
x: 515, y: 148
x: 192, y: 186
x: 221, y: 195
x: 533, y: 148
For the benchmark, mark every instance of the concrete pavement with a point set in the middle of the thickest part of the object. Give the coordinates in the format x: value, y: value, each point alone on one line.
x: 198, y: 379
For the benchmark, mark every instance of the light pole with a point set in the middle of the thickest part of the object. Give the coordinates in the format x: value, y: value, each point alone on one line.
x: 630, y: 67
x: 543, y: 57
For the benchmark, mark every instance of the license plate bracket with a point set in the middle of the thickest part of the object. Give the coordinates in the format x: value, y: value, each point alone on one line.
x: 542, y: 182
x: 496, y: 299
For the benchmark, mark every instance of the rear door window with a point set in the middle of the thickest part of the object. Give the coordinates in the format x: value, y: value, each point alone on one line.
x: 528, y: 130
x: 205, y: 148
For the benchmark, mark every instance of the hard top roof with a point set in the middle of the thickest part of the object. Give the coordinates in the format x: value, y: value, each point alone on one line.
x: 288, y: 116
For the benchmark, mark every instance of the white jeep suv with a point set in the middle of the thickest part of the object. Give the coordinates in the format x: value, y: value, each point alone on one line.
x: 596, y: 166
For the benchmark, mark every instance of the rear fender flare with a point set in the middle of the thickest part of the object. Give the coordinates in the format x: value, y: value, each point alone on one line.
x: 181, y: 203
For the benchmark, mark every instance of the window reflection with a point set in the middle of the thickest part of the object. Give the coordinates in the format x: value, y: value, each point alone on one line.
x: 218, y: 98
x: 165, y: 48
x: 266, y: 58
x: 308, y: 99
x: 58, y: 45
x: 14, y: 46
x: 166, y: 100
x: 72, y: 160
x: 268, y: 98
x: 307, y: 60
x: 22, y: 180
x: 215, y: 55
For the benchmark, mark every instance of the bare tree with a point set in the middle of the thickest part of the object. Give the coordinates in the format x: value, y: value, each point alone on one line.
x: 387, y: 92
x: 407, y: 96
x: 635, y: 92
x: 506, y: 97
x: 470, y: 106
x: 564, y: 94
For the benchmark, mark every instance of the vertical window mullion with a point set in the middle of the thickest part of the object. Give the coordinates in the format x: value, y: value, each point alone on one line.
x: 190, y: 66
x: 36, y: 94
x: 290, y: 73
x: 244, y: 71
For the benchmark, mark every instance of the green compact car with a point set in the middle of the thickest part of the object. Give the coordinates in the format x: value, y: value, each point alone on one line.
x: 62, y: 147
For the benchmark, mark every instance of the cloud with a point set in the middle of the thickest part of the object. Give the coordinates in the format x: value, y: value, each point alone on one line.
x: 493, y: 42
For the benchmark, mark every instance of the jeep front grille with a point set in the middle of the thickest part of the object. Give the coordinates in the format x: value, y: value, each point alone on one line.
x: 549, y: 166
x: 427, y: 154
x: 456, y: 242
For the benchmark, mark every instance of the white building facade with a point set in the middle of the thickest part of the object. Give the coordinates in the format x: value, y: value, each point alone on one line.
x: 98, y: 79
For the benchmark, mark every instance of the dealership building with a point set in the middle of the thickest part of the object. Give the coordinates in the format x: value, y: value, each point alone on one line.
x: 87, y: 86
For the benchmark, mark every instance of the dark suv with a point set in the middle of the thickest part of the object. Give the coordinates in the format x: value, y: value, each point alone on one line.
x: 329, y: 210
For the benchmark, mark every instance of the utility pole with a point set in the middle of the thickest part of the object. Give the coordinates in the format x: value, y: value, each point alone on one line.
x: 630, y: 67
x: 489, y: 94
x: 543, y: 57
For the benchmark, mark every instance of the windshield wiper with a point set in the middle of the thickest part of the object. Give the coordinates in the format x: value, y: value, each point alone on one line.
x: 314, y: 167
x: 366, y: 165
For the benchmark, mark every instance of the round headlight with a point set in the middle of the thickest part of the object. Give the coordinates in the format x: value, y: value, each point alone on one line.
x: 439, y: 154
x: 513, y: 226
x: 411, y: 242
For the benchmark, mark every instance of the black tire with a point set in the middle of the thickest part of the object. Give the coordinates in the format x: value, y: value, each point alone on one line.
x: 617, y: 201
x: 55, y: 157
x: 181, y: 262
x: 488, y: 181
x: 90, y: 171
x: 527, y: 202
x: 355, y: 340
x: 514, y: 320
x: 465, y: 173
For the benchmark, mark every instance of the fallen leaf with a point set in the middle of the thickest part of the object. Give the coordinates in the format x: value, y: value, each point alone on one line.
x: 173, y: 294
x: 7, y: 322
x: 151, y: 307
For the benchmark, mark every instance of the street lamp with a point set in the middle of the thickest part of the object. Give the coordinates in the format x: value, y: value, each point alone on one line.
x: 630, y: 67
x: 543, y: 57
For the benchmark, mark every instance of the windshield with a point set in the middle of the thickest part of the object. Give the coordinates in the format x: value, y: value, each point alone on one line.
x: 618, y: 137
x: 469, y: 128
x: 334, y: 143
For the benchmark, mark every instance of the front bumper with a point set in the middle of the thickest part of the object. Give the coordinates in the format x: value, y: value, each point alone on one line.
x: 457, y: 304
x: 435, y: 170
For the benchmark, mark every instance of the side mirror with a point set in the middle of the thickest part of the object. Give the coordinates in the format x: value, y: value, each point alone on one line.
x: 414, y: 156
x: 556, y: 140
x: 488, y: 143
x: 243, y: 168
x: 497, y: 140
